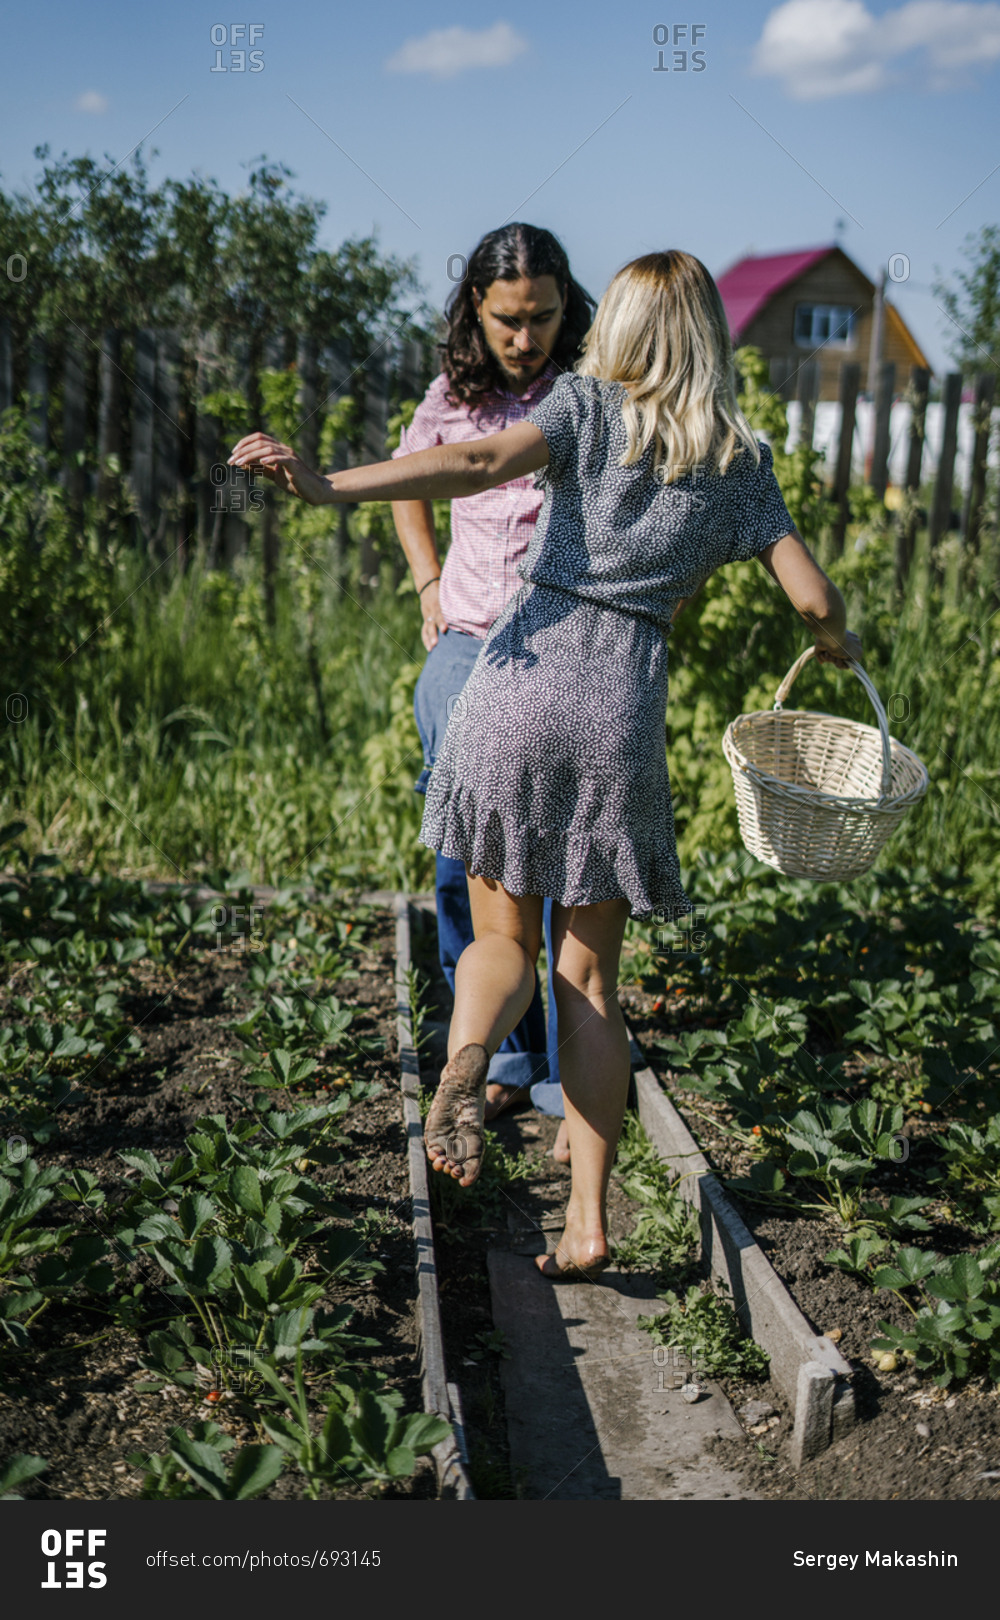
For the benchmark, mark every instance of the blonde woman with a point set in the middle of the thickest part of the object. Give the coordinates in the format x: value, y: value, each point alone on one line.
x: 552, y: 776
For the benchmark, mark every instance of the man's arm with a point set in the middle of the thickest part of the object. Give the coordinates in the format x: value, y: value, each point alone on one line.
x: 414, y: 522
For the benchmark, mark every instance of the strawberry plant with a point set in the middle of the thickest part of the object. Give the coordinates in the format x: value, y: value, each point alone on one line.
x: 955, y: 1332
x: 363, y: 1436
x: 198, y: 1467
x: 61, y: 1257
x: 969, y: 1170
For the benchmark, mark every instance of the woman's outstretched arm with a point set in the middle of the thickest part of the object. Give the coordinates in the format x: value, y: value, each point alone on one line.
x: 446, y: 471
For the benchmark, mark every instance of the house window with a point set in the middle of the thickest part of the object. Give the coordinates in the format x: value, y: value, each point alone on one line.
x: 829, y: 324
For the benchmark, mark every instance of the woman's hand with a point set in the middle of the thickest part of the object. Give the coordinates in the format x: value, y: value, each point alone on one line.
x: 434, y: 619
x: 839, y: 650
x: 259, y: 453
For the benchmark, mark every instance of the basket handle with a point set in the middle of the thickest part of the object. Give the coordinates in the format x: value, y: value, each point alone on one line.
x: 863, y: 677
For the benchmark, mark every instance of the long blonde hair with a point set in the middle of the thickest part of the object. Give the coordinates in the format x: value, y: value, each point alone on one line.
x: 661, y: 331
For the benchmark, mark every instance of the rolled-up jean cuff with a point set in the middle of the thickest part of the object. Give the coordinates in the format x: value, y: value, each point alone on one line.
x: 518, y: 1069
x: 548, y: 1098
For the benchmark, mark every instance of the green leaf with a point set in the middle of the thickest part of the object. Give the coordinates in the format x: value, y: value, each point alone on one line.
x: 194, y: 1212
x: 244, y: 1190
x: 424, y: 1430
x: 202, y: 1462
x: 253, y: 1469
x: 19, y: 1470
x: 141, y: 1160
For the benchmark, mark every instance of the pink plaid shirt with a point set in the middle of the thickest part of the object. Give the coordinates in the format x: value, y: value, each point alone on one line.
x: 491, y: 532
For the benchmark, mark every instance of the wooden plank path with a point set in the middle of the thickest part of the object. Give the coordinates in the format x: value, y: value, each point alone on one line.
x: 594, y: 1410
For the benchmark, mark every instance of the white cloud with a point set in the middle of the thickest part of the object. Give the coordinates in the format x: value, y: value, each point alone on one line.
x: 91, y: 101
x: 448, y: 51
x: 838, y: 47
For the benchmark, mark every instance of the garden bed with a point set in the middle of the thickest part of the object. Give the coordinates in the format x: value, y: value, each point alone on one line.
x: 88, y: 1387
x: 758, y: 1041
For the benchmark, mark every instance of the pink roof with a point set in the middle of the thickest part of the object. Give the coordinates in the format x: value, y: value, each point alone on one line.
x: 752, y: 282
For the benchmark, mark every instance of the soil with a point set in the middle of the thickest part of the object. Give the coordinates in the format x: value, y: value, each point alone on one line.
x: 73, y: 1399
x: 911, y: 1441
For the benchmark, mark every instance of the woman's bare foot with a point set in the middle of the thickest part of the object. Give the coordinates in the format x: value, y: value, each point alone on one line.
x: 560, y: 1149
x: 453, y: 1134
x: 577, y: 1257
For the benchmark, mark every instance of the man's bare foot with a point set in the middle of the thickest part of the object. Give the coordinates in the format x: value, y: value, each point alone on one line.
x: 576, y: 1259
x: 453, y: 1134
x: 560, y: 1148
x: 500, y: 1097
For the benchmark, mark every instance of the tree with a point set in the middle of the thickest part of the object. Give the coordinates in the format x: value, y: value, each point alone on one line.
x: 973, y: 307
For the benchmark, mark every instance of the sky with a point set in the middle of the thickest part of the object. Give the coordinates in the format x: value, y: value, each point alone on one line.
x: 725, y: 128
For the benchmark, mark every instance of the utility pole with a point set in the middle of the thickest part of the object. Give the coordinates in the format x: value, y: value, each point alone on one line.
x: 878, y: 331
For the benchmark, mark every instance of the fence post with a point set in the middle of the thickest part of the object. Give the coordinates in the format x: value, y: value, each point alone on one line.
x: 168, y: 494
x: 808, y: 393
x: 306, y: 362
x: 74, y: 424
x: 209, y: 500
x: 142, y: 435
x: 884, y: 389
x: 274, y: 354
x: 6, y: 365
x: 850, y: 378
x: 109, y: 405
x: 920, y: 379
x: 38, y: 390
x: 781, y: 375
x: 940, y: 518
x: 982, y: 418
x: 376, y: 422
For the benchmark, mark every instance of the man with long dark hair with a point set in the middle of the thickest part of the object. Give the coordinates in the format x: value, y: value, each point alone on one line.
x: 515, y: 322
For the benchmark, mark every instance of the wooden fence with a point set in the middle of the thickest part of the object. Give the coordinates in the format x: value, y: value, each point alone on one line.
x: 135, y: 399
x: 798, y: 382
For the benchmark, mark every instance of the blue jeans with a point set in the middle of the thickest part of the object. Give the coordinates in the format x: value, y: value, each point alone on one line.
x: 530, y: 1054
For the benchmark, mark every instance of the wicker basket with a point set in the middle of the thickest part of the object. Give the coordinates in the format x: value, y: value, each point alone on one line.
x: 817, y: 795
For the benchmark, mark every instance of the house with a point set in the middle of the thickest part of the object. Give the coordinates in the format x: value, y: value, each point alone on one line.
x: 815, y: 303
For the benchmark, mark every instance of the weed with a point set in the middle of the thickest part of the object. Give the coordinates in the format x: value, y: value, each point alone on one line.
x: 704, y: 1327
x: 667, y: 1236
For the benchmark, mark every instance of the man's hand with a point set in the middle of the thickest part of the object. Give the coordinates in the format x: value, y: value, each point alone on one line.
x: 434, y: 619
x: 259, y: 453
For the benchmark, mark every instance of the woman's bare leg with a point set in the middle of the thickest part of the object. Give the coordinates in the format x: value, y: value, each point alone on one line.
x: 594, y: 1070
x: 494, y: 984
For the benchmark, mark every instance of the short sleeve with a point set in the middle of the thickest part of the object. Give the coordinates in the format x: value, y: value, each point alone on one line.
x: 424, y: 431
x: 560, y: 417
x: 759, y: 515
